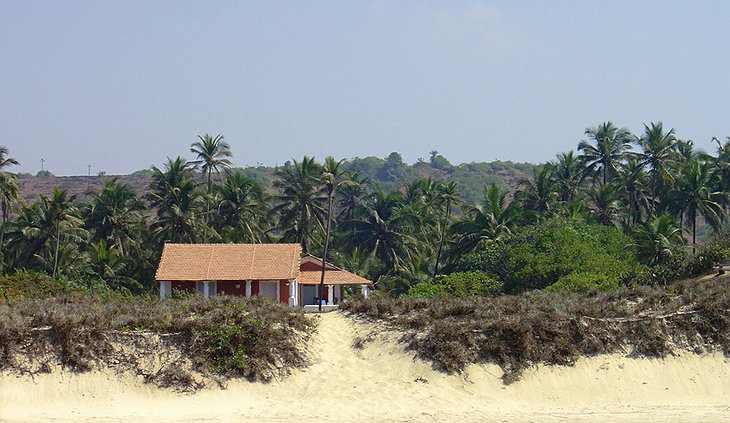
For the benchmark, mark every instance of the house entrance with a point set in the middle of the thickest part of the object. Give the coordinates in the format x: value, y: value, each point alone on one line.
x: 309, y: 293
x: 269, y: 289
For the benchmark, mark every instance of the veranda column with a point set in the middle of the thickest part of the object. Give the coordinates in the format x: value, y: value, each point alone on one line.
x: 206, y: 292
x: 248, y: 289
x: 330, y: 294
x: 165, y: 289
x: 365, y: 291
x: 292, y: 292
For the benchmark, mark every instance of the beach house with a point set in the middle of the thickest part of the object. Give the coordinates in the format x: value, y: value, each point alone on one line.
x: 275, y: 271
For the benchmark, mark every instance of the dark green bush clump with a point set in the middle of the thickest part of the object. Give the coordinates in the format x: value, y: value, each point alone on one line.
x: 557, y: 328
x: 224, y: 336
x: 458, y: 284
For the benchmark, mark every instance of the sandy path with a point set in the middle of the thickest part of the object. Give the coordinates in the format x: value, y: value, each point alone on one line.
x: 382, y: 383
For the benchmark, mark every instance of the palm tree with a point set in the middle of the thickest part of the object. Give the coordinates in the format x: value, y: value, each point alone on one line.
x: 632, y: 180
x: 569, y: 173
x: 173, y: 192
x: 301, y: 200
x: 694, y: 196
x: 537, y: 194
x: 6, y: 161
x: 9, y: 199
x: 659, y: 154
x: 448, y: 195
x: 332, y: 176
x: 212, y: 155
x: 386, y: 230
x: 243, y: 209
x: 351, y: 198
x: 605, y: 201
x: 657, y: 240
x: 115, y: 214
x: 611, y: 143
x: 491, y: 222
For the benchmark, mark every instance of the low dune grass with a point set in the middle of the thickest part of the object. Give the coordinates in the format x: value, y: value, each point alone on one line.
x: 225, y: 337
x: 518, y: 331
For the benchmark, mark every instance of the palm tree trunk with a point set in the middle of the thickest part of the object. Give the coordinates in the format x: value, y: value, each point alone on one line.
x: 694, y: 230
x: 58, y: 245
x: 207, y: 207
x: 441, y: 241
x: 326, y: 246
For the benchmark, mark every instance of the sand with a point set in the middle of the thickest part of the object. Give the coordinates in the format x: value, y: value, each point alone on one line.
x: 381, y: 382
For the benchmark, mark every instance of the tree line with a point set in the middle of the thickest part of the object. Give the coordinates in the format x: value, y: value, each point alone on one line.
x: 654, y: 188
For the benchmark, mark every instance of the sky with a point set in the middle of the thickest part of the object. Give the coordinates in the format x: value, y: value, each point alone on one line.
x: 122, y: 85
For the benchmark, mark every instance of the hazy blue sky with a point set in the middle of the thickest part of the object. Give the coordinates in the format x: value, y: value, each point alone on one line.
x: 123, y: 85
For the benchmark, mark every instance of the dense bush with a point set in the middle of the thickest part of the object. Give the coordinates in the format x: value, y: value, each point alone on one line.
x: 540, y: 255
x: 458, y: 284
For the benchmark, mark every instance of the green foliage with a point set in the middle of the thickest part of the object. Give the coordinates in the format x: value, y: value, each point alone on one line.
x: 26, y: 284
x: 458, y: 284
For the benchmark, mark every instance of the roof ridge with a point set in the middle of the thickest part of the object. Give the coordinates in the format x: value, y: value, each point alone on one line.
x: 210, y: 261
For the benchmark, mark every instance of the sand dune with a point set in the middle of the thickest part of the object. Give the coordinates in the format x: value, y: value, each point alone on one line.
x: 381, y: 382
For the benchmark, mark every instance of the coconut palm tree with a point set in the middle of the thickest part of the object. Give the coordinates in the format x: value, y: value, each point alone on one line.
x: 448, y: 195
x: 9, y: 199
x: 610, y: 145
x: 569, y: 173
x: 490, y: 222
x: 694, y: 195
x: 115, y: 215
x: 301, y: 202
x: 212, y: 155
x: 6, y: 161
x: 243, y: 210
x: 659, y: 155
x: 537, y: 194
x: 351, y: 198
x: 174, y: 193
x: 605, y: 201
x: 657, y: 240
x: 633, y: 183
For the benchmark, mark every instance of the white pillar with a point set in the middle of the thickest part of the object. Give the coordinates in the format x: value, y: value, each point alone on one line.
x: 330, y: 294
x: 248, y: 289
x: 206, y: 293
x: 165, y: 289
x: 292, y: 292
x: 365, y: 290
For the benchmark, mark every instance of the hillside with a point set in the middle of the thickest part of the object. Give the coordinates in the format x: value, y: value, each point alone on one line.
x: 388, y: 173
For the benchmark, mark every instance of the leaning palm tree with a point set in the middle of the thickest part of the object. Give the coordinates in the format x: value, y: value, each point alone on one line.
x: 611, y: 144
x: 694, y: 196
x: 212, y: 155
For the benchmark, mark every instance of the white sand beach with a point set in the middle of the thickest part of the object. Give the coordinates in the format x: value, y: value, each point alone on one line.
x: 381, y: 382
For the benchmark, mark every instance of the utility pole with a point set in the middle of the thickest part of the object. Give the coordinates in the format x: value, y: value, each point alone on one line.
x: 42, y: 167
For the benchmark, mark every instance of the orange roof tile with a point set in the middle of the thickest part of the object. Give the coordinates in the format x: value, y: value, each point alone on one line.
x: 332, y: 277
x: 208, y: 262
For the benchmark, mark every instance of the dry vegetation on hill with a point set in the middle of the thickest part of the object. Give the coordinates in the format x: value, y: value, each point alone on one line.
x: 541, y: 327
x: 178, y: 343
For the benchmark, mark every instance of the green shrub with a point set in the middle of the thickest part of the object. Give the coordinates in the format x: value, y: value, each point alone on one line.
x: 458, y: 284
x: 31, y: 285
x: 580, y: 281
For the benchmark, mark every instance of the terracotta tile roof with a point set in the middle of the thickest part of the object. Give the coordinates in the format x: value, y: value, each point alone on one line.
x: 332, y: 277
x: 202, y: 262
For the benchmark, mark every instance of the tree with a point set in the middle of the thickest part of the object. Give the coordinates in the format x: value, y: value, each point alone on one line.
x: 212, y: 155
x: 448, y: 195
x: 537, y: 194
x: 632, y: 180
x: 6, y: 161
x: 243, y: 210
x: 569, y: 173
x: 301, y: 201
x: 332, y: 177
x: 656, y: 241
x: 659, y: 155
x: 605, y: 202
x: 491, y: 222
x: 174, y: 193
x: 694, y: 196
x: 9, y: 199
x: 611, y: 143
x: 115, y: 216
